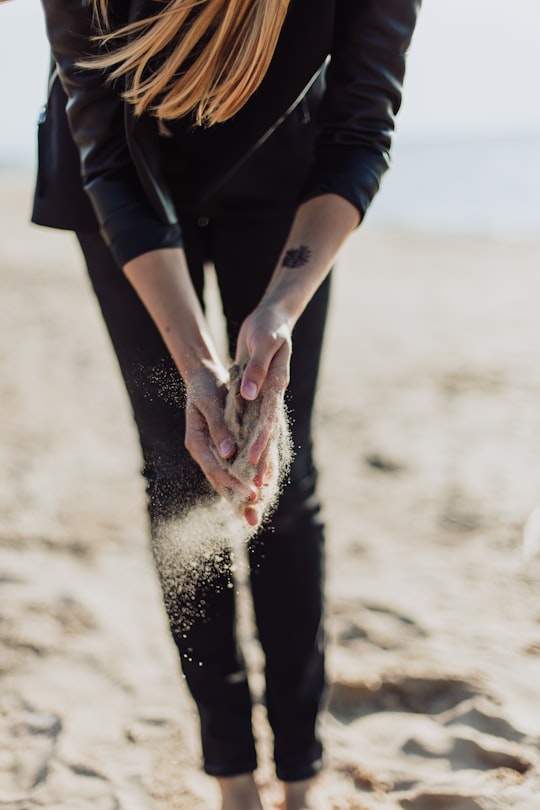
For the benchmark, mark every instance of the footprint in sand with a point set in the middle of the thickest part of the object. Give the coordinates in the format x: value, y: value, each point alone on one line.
x: 33, y: 738
x: 423, y: 695
x: 411, y: 727
x: 380, y: 626
x: 532, y: 649
x: 77, y: 785
x: 34, y: 628
x: 33, y: 772
x: 447, y: 725
x: 480, y: 714
x: 465, y: 753
x: 8, y: 579
x: 441, y: 801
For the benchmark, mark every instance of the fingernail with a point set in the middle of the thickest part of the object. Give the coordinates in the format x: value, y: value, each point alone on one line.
x: 226, y: 448
x: 249, y: 390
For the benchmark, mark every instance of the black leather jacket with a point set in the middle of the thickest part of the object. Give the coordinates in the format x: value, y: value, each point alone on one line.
x: 119, y: 153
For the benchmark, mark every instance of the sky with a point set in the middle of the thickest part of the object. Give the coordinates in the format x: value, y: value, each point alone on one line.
x: 473, y: 71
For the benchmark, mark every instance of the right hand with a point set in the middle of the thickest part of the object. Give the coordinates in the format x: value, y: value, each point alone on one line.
x: 264, y: 346
x: 205, y: 401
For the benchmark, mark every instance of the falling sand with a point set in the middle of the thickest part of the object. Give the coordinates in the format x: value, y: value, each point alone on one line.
x: 203, y: 545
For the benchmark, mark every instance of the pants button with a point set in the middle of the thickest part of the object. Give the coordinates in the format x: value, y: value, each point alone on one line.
x: 202, y: 222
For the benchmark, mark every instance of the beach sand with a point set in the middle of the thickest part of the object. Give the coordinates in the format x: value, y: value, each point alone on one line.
x: 428, y: 430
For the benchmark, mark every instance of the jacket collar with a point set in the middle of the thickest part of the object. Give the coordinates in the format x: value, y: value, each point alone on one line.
x: 303, y: 47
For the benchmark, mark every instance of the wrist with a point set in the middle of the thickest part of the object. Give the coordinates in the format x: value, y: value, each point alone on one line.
x: 285, y: 303
x: 161, y: 279
x: 198, y: 364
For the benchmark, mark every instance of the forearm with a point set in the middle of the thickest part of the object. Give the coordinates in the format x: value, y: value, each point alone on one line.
x: 319, y: 229
x: 161, y: 280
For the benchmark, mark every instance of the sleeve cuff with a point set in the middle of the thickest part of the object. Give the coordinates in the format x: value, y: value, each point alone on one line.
x: 130, y: 233
x: 130, y: 228
x: 352, y: 173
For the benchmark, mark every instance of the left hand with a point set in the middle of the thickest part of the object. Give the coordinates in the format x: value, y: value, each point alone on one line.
x: 205, y: 398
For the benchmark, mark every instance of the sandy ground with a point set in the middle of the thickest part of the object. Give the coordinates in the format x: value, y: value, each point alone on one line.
x: 429, y: 444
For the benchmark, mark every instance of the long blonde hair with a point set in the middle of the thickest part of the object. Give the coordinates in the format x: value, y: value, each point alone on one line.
x: 212, y: 55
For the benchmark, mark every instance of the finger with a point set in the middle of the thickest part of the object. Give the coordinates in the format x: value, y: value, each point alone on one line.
x: 252, y: 380
x: 197, y: 443
x: 264, y: 350
x: 217, y: 431
x: 221, y: 480
x: 239, y: 503
x: 204, y: 412
x: 267, y: 425
x: 262, y: 469
x: 279, y: 372
x: 222, y: 439
x: 251, y: 516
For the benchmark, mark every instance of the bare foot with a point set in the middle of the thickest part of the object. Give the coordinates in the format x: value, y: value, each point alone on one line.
x: 239, y: 793
x: 303, y: 795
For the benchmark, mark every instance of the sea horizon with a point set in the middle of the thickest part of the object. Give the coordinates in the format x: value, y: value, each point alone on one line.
x: 457, y: 185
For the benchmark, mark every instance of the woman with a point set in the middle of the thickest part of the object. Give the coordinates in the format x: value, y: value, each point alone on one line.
x: 215, y: 131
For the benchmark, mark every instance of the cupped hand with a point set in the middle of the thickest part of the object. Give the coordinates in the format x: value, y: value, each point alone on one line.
x: 265, y: 346
x: 206, y: 389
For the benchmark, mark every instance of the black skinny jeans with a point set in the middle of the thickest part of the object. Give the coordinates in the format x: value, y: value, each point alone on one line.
x: 242, y: 232
x: 286, y: 557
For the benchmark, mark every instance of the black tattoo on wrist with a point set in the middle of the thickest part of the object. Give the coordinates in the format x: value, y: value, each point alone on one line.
x: 297, y: 257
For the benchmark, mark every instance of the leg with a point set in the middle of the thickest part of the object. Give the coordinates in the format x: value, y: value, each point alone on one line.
x: 304, y: 795
x: 286, y: 558
x: 174, y: 481
x: 239, y: 793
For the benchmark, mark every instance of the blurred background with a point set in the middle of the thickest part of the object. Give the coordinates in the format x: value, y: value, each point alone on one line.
x: 428, y: 437
x: 467, y: 155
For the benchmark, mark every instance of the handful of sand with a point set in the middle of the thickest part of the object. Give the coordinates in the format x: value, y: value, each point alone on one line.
x: 242, y: 418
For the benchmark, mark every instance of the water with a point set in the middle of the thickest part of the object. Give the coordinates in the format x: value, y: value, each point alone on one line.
x: 483, y: 187
x: 478, y: 186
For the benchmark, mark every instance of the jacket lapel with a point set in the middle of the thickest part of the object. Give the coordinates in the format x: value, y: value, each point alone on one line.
x: 303, y: 46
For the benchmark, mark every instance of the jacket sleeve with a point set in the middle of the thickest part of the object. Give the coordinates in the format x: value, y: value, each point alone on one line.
x: 95, y: 111
x: 362, y: 98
